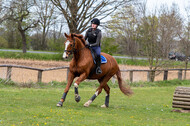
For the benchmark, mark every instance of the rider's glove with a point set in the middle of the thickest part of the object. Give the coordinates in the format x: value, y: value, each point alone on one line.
x: 87, y: 45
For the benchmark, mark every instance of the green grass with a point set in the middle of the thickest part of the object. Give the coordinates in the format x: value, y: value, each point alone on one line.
x: 37, y: 106
x: 132, y: 62
x: 33, y: 56
x: 58, y: 57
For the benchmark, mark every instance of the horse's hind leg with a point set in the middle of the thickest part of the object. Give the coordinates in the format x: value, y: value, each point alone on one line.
x: 107, y: 89
x: 103, y: 83
x: 98, y: 91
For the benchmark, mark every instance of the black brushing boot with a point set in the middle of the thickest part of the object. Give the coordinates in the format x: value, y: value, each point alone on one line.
x: 98, y: 62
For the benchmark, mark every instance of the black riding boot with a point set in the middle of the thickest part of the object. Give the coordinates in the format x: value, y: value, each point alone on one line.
x: 98, y: 62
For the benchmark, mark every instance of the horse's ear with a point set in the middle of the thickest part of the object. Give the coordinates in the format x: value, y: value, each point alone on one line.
x: 66, y: 35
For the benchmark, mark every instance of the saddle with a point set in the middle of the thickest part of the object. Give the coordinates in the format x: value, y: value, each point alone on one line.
x: 94, y: 56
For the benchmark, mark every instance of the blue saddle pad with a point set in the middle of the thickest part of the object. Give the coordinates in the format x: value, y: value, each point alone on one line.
x: 103, y: 59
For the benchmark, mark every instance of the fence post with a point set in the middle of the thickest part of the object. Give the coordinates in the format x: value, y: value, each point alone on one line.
x: 9, y: 70
x: 40, y: 75
x: 131, y: 76
x: 165, y: 75
x: 67, y: 74
x: 148, y: 76
x: 113, y: 80
x: 180, y: 74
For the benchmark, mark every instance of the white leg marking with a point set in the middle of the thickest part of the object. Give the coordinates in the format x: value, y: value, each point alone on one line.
x: 104, y: 106
x: 87, y: 103
x: 96, y: 93
x: 76, y: 85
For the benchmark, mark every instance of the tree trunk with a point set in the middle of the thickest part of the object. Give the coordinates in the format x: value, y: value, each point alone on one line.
x: 73, y: 28
x: 23, y: 41
x: 152, y: 76
x: 44, y: 43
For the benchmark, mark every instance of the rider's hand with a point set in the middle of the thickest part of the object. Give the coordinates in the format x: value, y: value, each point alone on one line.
x: 87, y: 45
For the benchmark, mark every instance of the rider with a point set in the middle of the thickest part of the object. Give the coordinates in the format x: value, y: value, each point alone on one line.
x: 93, y: 36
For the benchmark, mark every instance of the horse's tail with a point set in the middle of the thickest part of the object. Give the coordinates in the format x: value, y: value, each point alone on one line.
x: 126, y: 90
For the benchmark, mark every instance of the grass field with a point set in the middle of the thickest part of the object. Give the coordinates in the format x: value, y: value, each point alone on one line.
x: 58, y: 57
x: 149, y: 106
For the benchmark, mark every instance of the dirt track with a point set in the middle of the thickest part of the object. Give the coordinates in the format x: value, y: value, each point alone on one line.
x: 24, y: 75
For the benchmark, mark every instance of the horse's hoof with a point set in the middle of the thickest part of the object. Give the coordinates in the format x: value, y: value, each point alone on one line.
x: 77, y: 98
x: 59, y: 104
x: 104, y: 106
x: 87, y: 103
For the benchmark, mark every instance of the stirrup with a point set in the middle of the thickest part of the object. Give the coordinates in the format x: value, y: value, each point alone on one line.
x: 98, y: 70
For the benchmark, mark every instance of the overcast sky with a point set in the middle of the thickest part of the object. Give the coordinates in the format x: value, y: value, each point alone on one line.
x: 182, y: 4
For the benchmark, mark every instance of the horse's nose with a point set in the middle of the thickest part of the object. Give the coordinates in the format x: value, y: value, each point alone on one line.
x: 64, y: 55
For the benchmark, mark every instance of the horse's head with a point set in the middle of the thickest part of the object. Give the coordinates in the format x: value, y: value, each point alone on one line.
x: 69, y: 45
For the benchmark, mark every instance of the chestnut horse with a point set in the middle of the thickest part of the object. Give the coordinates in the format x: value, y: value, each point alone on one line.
x: 82, y: 65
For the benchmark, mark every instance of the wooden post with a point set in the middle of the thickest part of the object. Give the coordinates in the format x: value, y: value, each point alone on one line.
x: 67, y: 74
x: 148, y: 76
x: 9, y: 70
x: 131, y: 76
x: 165, y: 75
x: 113, y: 80
x: 180, y: 74
x: 40, y: 75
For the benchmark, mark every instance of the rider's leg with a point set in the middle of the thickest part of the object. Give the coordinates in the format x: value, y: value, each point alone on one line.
x: 98, y: 62
x: 97, y: 50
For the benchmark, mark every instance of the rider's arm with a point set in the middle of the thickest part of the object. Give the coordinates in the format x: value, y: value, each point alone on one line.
x: 98, y: 40
x: 85, y: 37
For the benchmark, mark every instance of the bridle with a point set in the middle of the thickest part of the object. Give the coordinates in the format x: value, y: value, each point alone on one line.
x: 73, y: 50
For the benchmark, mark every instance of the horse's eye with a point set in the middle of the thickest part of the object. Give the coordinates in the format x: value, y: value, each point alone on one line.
x: 71, y: 45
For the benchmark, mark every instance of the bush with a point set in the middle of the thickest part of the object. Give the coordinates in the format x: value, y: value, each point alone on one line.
x: 3, y: 43
x: 108, y: 46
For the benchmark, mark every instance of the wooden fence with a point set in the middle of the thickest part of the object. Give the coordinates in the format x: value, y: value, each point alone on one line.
x: 39, y: 77
x: 165, y: 76
x: 40, y: 71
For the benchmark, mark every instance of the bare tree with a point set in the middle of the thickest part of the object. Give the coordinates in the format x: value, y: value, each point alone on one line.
x: 184, y: 36
x: 3, y: 11
x: 123, y: 24
x: 46, y: 12
x: 169, y: 25
x: 156, y: 34
x: 19, y: 12
x: 78, y: 13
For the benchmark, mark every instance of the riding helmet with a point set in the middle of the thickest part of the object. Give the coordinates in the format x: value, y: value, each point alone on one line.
x: 95, y: 21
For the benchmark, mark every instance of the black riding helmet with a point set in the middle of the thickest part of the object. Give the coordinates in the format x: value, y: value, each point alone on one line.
x: 95, y: 21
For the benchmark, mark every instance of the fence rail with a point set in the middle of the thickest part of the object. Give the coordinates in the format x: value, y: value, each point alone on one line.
x: 40, y: 71
x: 39, y: 78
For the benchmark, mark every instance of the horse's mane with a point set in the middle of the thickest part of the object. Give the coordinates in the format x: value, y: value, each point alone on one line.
x: 81, y: 38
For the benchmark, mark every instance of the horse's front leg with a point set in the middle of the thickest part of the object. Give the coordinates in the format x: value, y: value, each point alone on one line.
x: 76, y: 84
x: 70, y: 81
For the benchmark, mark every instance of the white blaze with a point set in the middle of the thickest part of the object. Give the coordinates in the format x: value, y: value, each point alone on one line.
x: 66, y: 45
